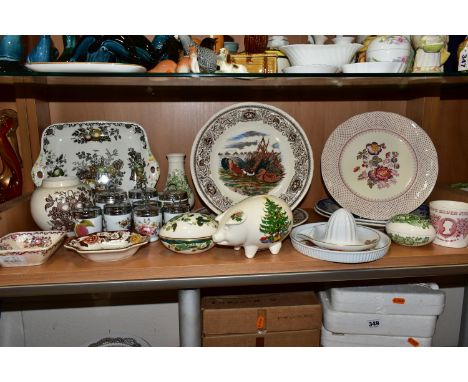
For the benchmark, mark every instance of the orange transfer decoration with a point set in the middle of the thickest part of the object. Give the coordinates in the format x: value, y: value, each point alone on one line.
x: 413, y: 342
x: 398, y: 300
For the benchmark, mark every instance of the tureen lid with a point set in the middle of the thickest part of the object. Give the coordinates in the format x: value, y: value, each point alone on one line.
x: 190, y: 225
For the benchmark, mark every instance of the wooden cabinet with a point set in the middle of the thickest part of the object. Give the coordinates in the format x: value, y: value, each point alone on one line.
x: 172, y: 109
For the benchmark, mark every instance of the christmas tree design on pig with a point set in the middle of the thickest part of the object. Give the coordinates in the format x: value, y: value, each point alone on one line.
x: 275, y: 223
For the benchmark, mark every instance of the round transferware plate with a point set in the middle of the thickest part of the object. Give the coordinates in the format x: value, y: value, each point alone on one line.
x: 309, y: 249
x: 251, y: 149
x: 379, y: 164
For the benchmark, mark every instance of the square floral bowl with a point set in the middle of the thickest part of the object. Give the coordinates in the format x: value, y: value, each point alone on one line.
x: 28, y: 248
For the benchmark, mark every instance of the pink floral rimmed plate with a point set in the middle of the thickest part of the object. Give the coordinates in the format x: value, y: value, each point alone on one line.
x: 379, y: 164
x: 251, y: 149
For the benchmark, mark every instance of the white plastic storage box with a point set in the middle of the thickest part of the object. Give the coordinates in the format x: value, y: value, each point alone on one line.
x: 375, y: 323
x: 349, y: 340
x: 415, y: 299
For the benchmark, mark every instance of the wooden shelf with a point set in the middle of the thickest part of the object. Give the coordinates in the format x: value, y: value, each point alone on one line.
x: 155, y: 265
x: 240, y: 80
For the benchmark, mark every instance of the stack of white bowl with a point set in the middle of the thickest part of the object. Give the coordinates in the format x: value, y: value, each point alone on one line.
x: 310, y: 58
x: 392, y: 48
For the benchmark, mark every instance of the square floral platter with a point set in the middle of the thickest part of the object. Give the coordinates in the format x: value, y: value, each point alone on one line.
x: 251, y: 149
x: 98, y: 153
x: 28, y: 248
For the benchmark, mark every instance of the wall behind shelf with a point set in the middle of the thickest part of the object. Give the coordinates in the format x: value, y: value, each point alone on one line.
x: 172, y: 126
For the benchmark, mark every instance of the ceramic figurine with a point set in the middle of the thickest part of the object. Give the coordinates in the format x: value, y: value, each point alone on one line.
x: 206, y: 58
x: 410, y: 230
x: 183, y: 66
x: 164, y: 66
x: 176, y: 178
x: 69, y: 43
x: 167, y: 47
x: 44, y: 51
x: 258, y: 222
x: 11, y: 178
x: 11, y: 51
x: 225, y: 64
x: 125, y: 49
x: 431, y: 53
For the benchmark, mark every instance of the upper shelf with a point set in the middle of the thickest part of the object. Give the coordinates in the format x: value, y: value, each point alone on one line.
x: 240, y: 80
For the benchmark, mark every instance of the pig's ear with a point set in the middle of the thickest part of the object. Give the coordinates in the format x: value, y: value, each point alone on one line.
x: 220, y: 216
x: 236, y: 218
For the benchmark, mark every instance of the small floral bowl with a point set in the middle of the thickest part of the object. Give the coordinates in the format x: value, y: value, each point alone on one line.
x: 189, y: 233
x: 29, y: 248
x: 107, y: 246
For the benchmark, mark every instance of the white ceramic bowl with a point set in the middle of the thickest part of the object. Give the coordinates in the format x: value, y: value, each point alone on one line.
x: 308, y: 54
x: 311, y: 69
x: 374, y: 67
x: 343, y: 40
x: 388, y: 55
x: 410, y: 230
x: 305, y: 248
x: 189, y: 233
x: 28, y: 248
x: 390, y: 42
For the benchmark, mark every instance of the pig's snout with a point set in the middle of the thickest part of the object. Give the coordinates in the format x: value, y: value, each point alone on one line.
x: 219, y: 237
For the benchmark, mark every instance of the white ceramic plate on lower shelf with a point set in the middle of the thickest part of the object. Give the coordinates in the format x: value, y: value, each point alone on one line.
x: 84, y: 67
x: 309, y: 249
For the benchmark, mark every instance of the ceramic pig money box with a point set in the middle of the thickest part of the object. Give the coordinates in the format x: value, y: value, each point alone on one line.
x: 258, y: 222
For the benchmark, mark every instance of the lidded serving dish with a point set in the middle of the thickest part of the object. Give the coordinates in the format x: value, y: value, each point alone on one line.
x: 189, y: 233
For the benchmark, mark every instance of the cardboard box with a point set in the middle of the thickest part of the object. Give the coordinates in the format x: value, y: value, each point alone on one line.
x: 251, y: 314
x: 270, y: 339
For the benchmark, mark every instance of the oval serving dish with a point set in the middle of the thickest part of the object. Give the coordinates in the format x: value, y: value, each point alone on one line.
x: 309, y: 249
x: 107, y: 246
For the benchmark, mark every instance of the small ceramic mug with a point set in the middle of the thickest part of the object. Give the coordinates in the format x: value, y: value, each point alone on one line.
x: 450, y: 220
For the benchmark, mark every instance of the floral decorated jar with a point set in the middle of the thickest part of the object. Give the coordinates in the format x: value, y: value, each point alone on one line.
x: 53, y: 202
x: 189, y: 233
x: 410, y: 230
x: 147, y: 220
x: 118, y: 216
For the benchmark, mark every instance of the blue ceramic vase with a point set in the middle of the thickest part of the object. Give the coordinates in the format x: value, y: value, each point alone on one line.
x: 44, y: 51
x: 11, y: 52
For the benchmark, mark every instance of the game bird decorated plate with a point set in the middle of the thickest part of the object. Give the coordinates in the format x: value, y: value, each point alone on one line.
x: 251, y: 149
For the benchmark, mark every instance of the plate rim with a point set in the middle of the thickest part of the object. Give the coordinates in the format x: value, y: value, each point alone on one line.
x: 35, y: 65
x: 239, y: 105
x: 427, y: 162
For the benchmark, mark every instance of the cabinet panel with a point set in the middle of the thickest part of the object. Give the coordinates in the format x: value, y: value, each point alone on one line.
x: 172, y: 126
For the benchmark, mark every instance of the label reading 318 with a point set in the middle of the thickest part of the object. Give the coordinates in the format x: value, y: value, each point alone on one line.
x: 374, y: 323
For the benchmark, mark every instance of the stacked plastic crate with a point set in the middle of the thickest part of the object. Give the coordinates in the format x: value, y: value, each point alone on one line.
x: 382, y: 315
